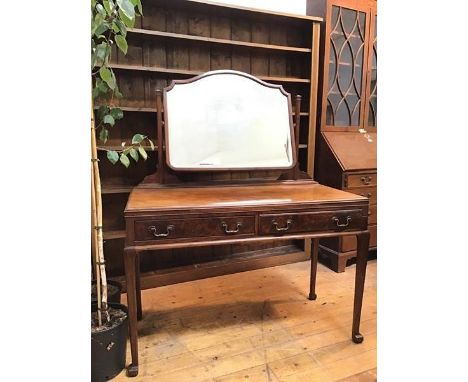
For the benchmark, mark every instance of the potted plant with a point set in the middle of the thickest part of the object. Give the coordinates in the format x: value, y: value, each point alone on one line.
x: 109, y: 323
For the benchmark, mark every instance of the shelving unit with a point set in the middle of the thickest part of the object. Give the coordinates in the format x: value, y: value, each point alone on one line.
x: 180, y: 39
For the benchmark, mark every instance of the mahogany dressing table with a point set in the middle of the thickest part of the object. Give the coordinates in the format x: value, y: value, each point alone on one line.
x: 214, y: 122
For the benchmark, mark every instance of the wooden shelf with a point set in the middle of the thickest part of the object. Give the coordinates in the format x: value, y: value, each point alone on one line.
x: 212, y: 40
x: 114, y: 234
x: 116, y: 189
x: 255, y: 10
x: 116, y: 144
x: 238, y: 263
x: 153, y: 109
x: 185, y: 72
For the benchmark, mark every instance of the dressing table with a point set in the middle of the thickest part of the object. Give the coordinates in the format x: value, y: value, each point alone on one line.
x: 212, y: 123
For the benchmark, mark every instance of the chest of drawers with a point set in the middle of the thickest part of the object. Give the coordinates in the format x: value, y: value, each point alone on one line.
x: 348, y: 161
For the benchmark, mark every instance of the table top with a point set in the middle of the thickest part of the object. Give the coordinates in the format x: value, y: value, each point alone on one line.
x: 144, y: 198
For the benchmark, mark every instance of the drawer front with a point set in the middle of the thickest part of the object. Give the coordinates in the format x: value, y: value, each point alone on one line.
x: 349, y: 243
x: 215, y: 227
x: 368, y: 192
x: 297, y: 222
x: 361, y: 180
x: 373, y: 214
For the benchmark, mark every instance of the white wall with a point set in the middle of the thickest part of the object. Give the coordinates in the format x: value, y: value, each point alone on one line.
x: 287, y: 6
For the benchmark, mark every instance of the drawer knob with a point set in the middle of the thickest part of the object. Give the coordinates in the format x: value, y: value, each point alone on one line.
x: 366, y: 179
x: 227, y: 230
x: 282, y: 229
x: 368, y: 195
x: 154, y: 230
x: 341, y: 225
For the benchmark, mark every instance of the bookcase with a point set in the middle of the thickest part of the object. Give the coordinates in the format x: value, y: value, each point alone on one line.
x: 180, y: 39
x: 346, y: 152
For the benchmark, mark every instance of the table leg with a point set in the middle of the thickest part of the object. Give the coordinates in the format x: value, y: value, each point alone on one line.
x: 138, y: 286
x: 361, y: 265
x: 130, y: 276
x: 313, y: 268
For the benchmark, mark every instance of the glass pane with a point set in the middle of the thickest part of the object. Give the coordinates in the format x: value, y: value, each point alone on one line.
x: 372, y: 114
x: 226, y: 120
x: 345, y: 67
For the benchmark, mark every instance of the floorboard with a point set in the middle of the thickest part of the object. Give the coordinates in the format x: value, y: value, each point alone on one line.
x: 258, y: 326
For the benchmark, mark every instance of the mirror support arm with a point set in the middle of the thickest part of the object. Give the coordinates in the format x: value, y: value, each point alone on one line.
x: 297, y: 122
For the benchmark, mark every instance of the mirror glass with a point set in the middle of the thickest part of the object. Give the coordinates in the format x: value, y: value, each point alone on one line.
x: 228, y: 120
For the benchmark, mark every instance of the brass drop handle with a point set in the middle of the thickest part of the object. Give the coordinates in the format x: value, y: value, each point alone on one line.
x: 282, y: 229
x: 366, y: 179
x: 226, y: 230
x: 154, y: 230
x: 341, y: 225
x: 368, y: 195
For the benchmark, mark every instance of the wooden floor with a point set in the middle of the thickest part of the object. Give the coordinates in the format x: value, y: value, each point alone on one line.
x: 258, y: 326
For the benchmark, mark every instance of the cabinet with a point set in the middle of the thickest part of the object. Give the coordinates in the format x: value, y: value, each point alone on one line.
x: 180, y: 39
x: 346, y: 152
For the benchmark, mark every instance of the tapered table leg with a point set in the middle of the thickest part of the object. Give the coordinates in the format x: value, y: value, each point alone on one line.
x: 138, y: 286
x: 361, y: 265
x: 130, y: 276
x: 313, y: 268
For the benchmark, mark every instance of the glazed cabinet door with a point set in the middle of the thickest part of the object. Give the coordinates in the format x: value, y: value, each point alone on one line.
x: 346, y: 49
x: 371, y: 91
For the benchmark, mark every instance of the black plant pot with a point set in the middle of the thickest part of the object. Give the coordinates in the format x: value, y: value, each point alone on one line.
x: 113, y: 294
x: 109, y: 348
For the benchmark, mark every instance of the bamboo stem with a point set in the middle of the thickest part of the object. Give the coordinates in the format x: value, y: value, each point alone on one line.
x: 101, y: 297
x: 95, y: 246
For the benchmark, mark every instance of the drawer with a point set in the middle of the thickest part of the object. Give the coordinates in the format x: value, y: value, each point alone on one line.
x: 309, y: 221
x: 368, y: 192
x: 173, y: 228
x: 372, y: 214
x: 349, y: 243
x: 361, y: 180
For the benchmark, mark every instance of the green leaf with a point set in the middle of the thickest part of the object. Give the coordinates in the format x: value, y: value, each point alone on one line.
x: 142, y: 152
x: 105, y: 73
x: 124, y: 160
x: 107, y: 6
x: 102, y: 111
x: 103, y: 135
x: 127, y: 8
x: 121, y: 43
x: 96, y: 22
x: 128, y: 22
x: 101, y: 9
x: 137, y: 138
x: 134, y: 154
x: 117, y: 113
x: 101, y: 29
x: 108, y: 76
x: 121, y: 26
x: 138, y: 4
x: 151, y: 144
x: 109, y: 119
x: 95, y: 92
x: 113, y: 156
x: 101, y: 53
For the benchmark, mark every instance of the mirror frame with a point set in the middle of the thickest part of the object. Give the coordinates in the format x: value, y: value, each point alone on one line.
x: 166, y: 126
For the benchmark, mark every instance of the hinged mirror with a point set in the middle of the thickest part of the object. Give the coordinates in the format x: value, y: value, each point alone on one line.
x: 228, y: 120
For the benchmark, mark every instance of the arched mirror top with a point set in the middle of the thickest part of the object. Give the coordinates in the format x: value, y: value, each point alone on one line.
x: 228, y: 120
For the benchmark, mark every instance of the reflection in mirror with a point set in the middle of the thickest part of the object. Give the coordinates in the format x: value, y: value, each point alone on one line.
x: 228, y: 120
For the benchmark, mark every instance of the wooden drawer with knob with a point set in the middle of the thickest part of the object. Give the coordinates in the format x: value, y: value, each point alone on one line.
x: 214, y: 226
x: 360, y: 180
x: 308, y: 221
x: 368, y: 192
